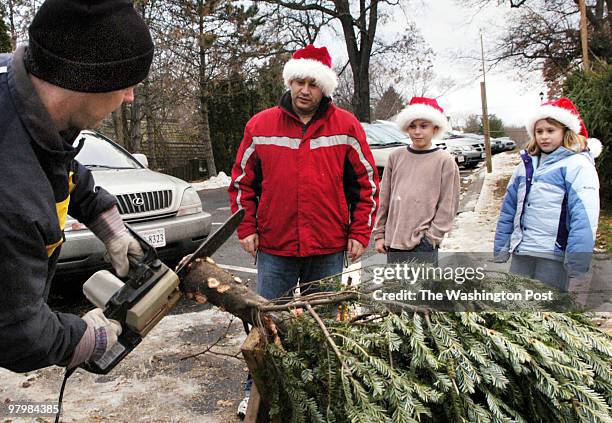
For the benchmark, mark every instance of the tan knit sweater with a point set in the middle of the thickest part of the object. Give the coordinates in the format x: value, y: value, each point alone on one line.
x: 419, y: 195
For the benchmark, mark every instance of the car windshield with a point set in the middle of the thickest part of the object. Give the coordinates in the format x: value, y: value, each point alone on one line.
x: 100, y: 153
x: 384, y: 135
x: 455, y: 135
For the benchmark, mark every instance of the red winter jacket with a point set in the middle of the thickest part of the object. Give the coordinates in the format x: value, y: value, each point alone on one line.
x: 306, y: 189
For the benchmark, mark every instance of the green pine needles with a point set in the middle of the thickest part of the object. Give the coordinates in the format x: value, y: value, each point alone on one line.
x: 417, y: 366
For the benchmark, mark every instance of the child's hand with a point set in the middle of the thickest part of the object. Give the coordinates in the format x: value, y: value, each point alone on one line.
x: 380, y: 246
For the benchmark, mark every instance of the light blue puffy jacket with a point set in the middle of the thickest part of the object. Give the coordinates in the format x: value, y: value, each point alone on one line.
x: 551, y: 210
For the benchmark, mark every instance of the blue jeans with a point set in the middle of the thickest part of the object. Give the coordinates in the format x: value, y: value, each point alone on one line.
x: 277, y: 276
x: 424, y: 252
x: 551, y: 272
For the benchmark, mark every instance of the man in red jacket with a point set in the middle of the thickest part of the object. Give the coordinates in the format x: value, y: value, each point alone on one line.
x: 306, y: 178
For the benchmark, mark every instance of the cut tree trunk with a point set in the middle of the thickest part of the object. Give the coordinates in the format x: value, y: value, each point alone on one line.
x: 253, y: 351
x: 206, y: 282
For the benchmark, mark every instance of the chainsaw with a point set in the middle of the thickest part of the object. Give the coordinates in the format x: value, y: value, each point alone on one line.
x: 150, y: 290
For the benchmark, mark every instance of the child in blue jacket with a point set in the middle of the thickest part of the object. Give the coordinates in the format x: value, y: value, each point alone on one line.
x: 548, y: 220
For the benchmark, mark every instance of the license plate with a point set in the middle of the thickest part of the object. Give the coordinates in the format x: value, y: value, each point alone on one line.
x: 155, y: 237
x: 460, y: 159
x: 483, y: 155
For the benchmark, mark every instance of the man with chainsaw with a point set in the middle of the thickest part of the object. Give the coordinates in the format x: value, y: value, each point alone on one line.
x: 306, y: 178
x: 82, y: 61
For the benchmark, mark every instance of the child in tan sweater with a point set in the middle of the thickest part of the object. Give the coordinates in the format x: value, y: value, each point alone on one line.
x: 419, y: 193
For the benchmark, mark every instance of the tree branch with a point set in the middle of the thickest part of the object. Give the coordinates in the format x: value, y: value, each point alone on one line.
x: 329, y: 338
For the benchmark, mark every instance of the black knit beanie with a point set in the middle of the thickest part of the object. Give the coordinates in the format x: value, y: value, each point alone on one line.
x: 89, y: 45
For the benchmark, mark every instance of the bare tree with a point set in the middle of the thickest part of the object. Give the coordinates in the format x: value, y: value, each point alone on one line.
x: 297, y: 27
x: 19, y: 14
x: 359, y: 22
x: 544, y: 35
x: 209, y: 40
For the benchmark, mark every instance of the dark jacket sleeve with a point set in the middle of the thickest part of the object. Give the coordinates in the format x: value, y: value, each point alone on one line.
x: 86, y: 200
x: 32, y: 336
x: 364, y: 186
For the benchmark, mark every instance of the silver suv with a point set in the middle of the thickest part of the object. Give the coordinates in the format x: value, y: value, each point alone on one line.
x: 167, y: 211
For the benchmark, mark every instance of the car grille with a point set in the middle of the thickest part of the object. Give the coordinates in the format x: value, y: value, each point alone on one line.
x: 156, y: 217
x: 142, y: 202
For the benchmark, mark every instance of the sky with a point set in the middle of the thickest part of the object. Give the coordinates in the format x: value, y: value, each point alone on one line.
x: 452, y: 30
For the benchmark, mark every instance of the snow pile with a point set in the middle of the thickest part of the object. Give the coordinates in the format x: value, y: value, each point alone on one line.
x: 474, y: 231
x: 152, y: 384
x: 471, y: 177
x: 353, y: 271
x: 219, y: 181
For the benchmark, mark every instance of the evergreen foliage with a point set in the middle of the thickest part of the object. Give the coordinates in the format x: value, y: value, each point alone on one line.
x: 234, y: 101
x: 591, y: 93
x: 474, y: 125
x: 397, y: 365
x: 5, y: 39
x: 390, y: 104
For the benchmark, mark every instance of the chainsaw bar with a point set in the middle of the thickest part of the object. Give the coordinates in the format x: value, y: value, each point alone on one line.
x: 213, y: 242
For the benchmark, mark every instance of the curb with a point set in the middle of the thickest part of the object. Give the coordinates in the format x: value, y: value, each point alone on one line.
x: 470, y: 199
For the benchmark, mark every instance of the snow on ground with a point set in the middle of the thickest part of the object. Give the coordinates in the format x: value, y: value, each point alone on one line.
x: 474, y: 231
x: 152, y: 384
x: 219, y: 181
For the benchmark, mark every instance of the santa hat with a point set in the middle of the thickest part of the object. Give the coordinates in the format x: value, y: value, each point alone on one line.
x: 315, y: 63
x: 563, y: 111
x: 423, y: 108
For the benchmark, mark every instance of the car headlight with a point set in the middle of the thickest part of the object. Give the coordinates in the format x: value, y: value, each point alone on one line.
x: 190, y: 203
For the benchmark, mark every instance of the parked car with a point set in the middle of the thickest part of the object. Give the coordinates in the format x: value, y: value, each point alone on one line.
x: 472, y: 148
x: 497, y: 145
x: 465, y: 135
x: 456, y: 152
x: 507, y: 143
x: 384, y: 139
x: 165, y: 210
x: 378, y: 131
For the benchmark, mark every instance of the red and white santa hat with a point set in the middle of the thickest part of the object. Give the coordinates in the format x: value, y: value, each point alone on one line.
x: 315, y: 63
x: 563, y: 111
x: 423, y: 108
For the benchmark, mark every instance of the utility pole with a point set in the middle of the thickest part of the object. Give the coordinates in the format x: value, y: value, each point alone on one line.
x: 485, y: 113
x: 584, y: 36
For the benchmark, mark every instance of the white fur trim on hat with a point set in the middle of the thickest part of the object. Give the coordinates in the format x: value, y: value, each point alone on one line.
x: 595, y: 146
x: 422, y: 111
x: 324, y: 76
x: 559, y: 114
